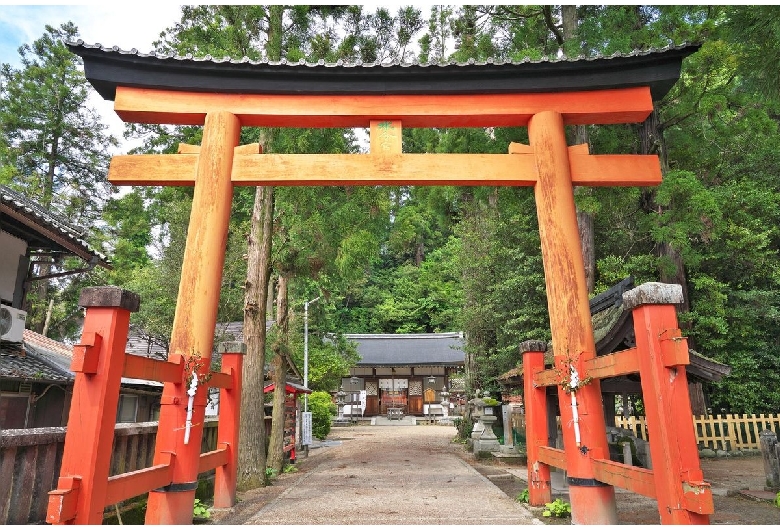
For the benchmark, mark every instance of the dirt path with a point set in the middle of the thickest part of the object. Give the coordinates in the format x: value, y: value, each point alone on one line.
x: 387, y: 475
x: 414, y: 475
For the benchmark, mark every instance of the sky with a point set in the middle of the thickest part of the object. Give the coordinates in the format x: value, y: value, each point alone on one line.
x: 126, y: 25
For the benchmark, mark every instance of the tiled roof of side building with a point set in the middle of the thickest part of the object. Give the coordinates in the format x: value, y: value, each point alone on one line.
x: 16, y: 209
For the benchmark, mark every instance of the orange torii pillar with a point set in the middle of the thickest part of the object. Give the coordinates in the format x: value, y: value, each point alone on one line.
x: 539, y: 488
x: 97, y: 361
x: 583, y: 425
x: 662, y: 352
x: 196, y: 315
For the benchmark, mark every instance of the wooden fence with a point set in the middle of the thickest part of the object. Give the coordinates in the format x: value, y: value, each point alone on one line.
x: 729, y: 432
x: 30, y: 463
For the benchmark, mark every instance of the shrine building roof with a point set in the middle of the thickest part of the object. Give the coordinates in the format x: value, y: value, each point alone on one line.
x: 413, y: 349
x: 106, y: 68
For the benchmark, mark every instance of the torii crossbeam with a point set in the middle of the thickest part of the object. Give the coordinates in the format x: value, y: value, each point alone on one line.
x: 224, y: 96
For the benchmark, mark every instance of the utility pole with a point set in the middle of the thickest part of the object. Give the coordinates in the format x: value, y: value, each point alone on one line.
x: 306, y: 351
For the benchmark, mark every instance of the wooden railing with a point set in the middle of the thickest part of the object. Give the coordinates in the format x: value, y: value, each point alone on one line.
x: 30, y: 464
x: 728, y: 432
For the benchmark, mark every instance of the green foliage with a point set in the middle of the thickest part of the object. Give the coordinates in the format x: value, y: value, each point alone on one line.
x: 289, y: 468
x: 523, y: 496
x: 463, y: 426
x: 200, y: 510
x: 777, y: 500
x: 322, y: 410
x: 557, y: 508
x: 426, y: 259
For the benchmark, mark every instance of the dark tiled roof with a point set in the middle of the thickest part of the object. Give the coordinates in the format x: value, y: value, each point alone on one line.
x: 613, y: 327
x: 109, y: 67
x: 43, y: 359
x: 22, y: 362
x: 423, y: 349
x: 43, y: 229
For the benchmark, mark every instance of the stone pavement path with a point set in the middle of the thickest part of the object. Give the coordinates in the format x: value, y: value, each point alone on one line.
x: 390, y: 475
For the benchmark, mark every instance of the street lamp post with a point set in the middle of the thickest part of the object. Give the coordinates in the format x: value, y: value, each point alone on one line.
x: 306, y: 351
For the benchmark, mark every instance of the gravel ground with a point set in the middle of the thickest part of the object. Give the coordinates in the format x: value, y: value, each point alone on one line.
x: 415, y: 475
x: 379, y: 476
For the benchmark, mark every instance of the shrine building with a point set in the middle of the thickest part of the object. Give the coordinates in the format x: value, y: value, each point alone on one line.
x: 407, y: 371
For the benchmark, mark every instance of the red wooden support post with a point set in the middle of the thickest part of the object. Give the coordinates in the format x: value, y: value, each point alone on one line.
x: 226, y: 477
x: 196, y: 315
x: 683, y: 496
x: 592, y: 502
x: 98, y: 362
x: 539, y: 491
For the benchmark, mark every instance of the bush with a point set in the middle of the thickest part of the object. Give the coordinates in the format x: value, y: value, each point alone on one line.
x: 464, y: 428
x: 523, y: 496
x: 200, y: 510
x: 557, y: 508
x: 322, y: 410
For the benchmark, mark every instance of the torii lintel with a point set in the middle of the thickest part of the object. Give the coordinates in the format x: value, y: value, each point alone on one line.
x: 385, y: 165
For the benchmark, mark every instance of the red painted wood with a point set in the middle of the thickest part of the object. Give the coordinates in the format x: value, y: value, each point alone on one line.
x: 196, y: 314
x: 615, y: 364
x: 683, y: 496
x: 133, y: 483
x: 138, y: 367
x: 220, y: 380
x: 570, y: 320
x: 627, y: 105
x: 552, y: 456
x: 631, y: 478
x: 90, y: 433
x: 213, y: 459
x: 226, y: 477
x: 539, y: 489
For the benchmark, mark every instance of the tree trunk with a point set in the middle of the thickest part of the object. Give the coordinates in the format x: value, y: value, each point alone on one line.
x: 585, y: 220
x: 279, y: 367
x: 252, y: 455
x: 252, y: 436
x: 672, y: 268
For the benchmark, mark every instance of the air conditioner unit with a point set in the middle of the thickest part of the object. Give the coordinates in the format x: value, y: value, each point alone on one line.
x: 12, y: 323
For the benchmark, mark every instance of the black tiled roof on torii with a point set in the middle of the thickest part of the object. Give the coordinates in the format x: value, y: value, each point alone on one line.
x: 109, y: 67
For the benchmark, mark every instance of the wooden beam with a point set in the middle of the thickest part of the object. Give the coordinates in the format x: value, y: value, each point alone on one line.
x: 629, y: 478
x: 385, y: 170
x: 549, y: 377
x: 220, y: 380
x: 552, y: 457
x: 213, y: 459
x: 129, y: 485
x: 627, y: 105
x: 615, y: 364
x: 138, y: 367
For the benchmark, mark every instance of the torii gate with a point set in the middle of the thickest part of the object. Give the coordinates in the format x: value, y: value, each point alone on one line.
x: 225, y: 95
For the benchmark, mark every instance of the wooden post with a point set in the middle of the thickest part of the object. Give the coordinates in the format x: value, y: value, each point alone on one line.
x: 683, y: 496
x: 196, y: 315
x: 770, y: 451
x: 536, y: 432
x: 592, y: 502
x: 225, y: 479
x: 98, y: 361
